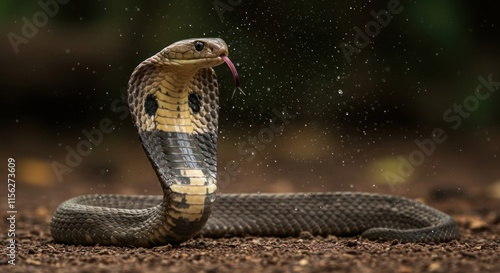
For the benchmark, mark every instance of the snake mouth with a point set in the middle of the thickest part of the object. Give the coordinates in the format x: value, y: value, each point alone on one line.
x: 196, y: 63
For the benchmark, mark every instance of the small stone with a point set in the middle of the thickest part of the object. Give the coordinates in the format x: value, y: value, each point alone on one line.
x: 404, y: 269
x: 477, y: 224
x: 33, y: 262
x: 351, y: 243
x: 103, y: 252
x: 434, y: 267
x: 306, y: 235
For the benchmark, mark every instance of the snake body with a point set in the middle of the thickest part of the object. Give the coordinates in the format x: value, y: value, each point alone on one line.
x: 173, y: 99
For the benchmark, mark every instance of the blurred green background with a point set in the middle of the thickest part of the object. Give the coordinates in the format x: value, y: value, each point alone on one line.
x: 350, y: 115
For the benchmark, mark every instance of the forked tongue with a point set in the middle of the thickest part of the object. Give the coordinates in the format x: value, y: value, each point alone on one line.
x: 235, y: 74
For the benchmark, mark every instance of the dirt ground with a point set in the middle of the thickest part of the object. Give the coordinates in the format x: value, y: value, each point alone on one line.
x: 475, y: 206
x: 477, y: 251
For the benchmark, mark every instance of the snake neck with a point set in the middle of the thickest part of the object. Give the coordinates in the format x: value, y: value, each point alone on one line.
x: 188, y: 186
x: 162, y: 113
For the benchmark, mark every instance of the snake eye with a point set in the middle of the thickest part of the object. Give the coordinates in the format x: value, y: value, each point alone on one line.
x: 199, y: 45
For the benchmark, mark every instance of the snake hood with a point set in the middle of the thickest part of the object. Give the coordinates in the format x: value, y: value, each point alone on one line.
x: 175, y: 67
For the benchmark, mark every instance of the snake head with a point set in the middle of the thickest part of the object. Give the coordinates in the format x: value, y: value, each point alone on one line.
x: 160, y: 86
x: 195, y: 53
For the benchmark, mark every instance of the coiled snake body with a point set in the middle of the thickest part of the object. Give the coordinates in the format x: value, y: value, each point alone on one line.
x: 173, y: 99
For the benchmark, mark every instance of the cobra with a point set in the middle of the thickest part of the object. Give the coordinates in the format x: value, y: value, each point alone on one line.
x: 173, y: 99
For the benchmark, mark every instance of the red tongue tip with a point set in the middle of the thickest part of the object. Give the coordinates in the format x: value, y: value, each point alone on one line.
x: 235, y: 74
